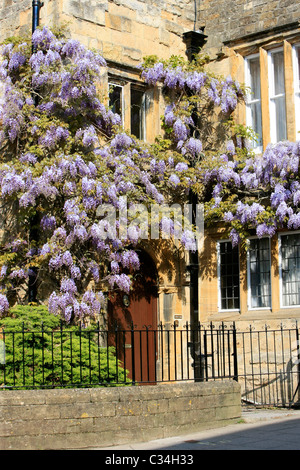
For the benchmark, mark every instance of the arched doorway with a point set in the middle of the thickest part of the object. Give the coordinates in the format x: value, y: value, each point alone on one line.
x: 132, y: 321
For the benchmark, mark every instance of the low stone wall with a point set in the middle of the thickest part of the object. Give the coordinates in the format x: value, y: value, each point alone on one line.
x: 95, y: 417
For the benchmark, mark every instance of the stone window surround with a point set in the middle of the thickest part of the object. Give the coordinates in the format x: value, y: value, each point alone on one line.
x: 275, y: 273
x: 286, y: 37
x: 128, y: 77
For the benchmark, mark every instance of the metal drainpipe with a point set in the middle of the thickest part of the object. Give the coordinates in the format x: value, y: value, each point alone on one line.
x: 32, y: 281
x: 194, y: 42
x: 36, y: 6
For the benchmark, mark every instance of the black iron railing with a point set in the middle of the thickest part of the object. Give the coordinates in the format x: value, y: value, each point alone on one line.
x: 94, y: 356
x: 269, y: 365
x: 265, y: 361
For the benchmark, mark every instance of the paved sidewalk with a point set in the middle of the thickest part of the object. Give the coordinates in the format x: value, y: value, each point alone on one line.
x: 258, y: 430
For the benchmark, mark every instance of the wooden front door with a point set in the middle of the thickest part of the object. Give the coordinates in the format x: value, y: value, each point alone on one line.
x: 132, y: 321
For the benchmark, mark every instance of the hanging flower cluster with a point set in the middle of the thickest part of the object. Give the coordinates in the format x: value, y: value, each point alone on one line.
x: 190, y: 90
x: 251, y: 194
x: 258, y: 195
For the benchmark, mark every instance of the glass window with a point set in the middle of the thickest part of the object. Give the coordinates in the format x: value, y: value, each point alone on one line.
x: 229, y: 276
x: 297, y: 88
x: 254, y: 118
x: 277, y: 96
x: 259, y: 272
x: 290, y: 269
x: 137, y: 113
x: 116, y: 99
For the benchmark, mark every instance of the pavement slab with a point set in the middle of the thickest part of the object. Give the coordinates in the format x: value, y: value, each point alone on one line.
x: 258, y: 429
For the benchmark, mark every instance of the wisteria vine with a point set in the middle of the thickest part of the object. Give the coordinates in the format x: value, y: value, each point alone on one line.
x: 251, y: 194
x: 64, y: 156
x: 258, y: 195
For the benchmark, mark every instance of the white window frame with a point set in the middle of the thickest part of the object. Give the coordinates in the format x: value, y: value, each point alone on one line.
x: 296, y: 232
x: 249, y: 279
x: 249, y: 100
x: 296, y: 89
x: 272, y: 96
x: 219, y: 279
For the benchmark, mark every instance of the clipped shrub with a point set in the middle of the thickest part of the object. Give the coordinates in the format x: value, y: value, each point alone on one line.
x: 43, y: 352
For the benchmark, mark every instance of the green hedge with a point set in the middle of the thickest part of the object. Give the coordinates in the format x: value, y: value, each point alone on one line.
x: 41, y: 351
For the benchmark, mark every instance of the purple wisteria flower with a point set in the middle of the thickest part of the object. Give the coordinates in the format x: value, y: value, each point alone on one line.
x: 48, y: 222
x: 4, y: 304
x: 235, y: 237
x: 188, y: 240
x: 192, y: 146
x: 18, y: 274
x: 263, y: 230
x: 130, y: 259
x: 94, y: 269
x: 181, y: 166
x: 196, y: 81
x: 121, y: 281
x: 230, y: 147
x: 42, y: 38
x: 213, y: 92
x: 89, y: 137
x: 169, y: 115
x: 56, y: 262
x: 154, y: 74
x: 75, y: 272
x: 45, y: 250
x: 121, y: 142
x: 181, y: 131
x: 68, y: 286
x: 3, y: 271
x: 17, y: 59
x: 174, y: 180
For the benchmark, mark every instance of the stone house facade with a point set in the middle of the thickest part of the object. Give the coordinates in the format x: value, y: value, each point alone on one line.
x: 125, y: 31
x: 258, y: 43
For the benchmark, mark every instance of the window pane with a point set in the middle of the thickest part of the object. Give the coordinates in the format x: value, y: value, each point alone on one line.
x: 260, y: 273
x: 254, y: 117
x: 277, y: 98
x: 254, y: 71
x: 280, y: 117
x: 137, y: 113
x: 115, y: 98
x: 278, y: 70
x: 229, y: 273
x: 290, y: 265
x: 256, y: 122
